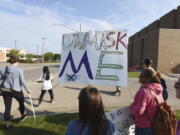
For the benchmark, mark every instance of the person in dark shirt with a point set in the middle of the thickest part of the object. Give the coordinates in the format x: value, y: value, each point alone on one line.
x: 177, y: 87
x: 163, y: 84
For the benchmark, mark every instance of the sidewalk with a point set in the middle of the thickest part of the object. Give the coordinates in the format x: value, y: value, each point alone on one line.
x: 66, y: 97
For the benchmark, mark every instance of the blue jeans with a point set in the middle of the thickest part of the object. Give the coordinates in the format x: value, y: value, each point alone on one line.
x: 144, y: 131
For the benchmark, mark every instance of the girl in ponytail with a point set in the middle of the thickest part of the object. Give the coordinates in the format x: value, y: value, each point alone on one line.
x: 46, y: 79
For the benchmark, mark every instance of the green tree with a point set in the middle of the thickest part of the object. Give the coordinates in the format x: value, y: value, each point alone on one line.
x: 13, y: 52
x: 48, y: 56
x: 57, y: 57
x: 31, y: 55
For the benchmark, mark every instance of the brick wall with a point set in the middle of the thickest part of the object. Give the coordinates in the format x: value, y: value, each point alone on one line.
x: 136, y: 56
x: 153, y: 26
x: 168, y: 20
x: 145, y: 42
x: 178, y: 18
x: 145, y: 47
x: 151, y: 47
x: 169, y: 51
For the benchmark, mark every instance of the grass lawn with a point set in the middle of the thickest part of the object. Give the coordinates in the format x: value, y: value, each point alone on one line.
x: 178, y: 114
x: 44, y: 125
x: 133, y: 74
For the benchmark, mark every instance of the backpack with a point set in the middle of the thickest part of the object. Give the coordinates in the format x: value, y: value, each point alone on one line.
x: 3, y: 81
x: 164, y: 122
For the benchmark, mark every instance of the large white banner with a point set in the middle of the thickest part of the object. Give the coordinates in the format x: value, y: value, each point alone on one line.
x: 122, y: 120
x: 94, y: 58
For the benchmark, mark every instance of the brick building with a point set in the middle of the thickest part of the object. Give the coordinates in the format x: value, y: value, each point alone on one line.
x: 159, y: 41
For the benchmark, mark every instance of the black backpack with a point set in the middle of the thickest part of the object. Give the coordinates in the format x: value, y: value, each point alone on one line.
x: 3, y: 80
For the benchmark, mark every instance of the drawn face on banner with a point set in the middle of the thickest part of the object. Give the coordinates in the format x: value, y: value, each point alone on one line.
x: 99, y: 58
x: 122, y: 121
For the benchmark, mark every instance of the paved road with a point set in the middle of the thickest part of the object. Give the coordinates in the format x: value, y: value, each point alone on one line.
x: 66, y: 94
x: 34, y: 72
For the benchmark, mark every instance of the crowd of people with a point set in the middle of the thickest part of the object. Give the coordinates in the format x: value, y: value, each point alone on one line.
x: 92, y: 120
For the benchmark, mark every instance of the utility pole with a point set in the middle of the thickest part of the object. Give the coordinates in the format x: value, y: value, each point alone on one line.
x: 80, y: 28
x: 43, y: 45
x: 37, y: 53
x: 15, y: 44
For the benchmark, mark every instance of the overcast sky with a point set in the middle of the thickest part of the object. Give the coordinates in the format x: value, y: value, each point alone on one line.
x: 28, y: 21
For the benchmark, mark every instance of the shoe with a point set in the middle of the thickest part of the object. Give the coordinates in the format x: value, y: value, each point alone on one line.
x: 12, y: 116
x: 39, y: 104
x: 53, y: 100
x: 117, y: 93
x: 23, y: 117
x: 8, y: 124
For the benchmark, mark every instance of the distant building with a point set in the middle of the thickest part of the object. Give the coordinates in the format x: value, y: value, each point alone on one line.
x: 159, y: 41
x: 5, y: 51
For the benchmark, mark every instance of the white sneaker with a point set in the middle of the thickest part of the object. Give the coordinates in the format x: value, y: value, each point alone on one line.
x: 23, y: 117
x: 8, y: 124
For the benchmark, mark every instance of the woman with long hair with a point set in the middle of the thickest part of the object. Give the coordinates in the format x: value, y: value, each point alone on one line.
x: 46, y: 80
x: 92, y: 119
x: 146, y: 102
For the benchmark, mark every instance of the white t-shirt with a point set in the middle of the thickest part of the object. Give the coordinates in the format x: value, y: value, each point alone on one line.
x: 46, y: 84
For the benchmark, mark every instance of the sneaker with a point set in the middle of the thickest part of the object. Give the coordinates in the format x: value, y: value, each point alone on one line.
x: 12, y: 116
x: 117, y: 93
x: 39, y: 104
x: 8, y: 124
x: 52, y: 100
x: 23, y: 117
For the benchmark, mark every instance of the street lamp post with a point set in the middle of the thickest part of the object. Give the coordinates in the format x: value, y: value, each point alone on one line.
x: 37, y: 53
x: 15, y: 44
x: 80, y: 27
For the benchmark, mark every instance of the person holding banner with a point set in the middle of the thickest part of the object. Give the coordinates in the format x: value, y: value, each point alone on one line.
x: 145, y: 105
x: 46, y: 80
x: 92, y: 119
x: 13, y: 81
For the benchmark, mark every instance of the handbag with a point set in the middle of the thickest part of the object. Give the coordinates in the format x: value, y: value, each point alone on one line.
x: 3, y: 81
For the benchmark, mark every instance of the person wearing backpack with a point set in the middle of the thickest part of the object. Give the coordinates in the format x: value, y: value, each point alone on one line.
x: 144, y: 106
x: 13, y: 80
x: 46, y: 79
x: 148, y: 65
